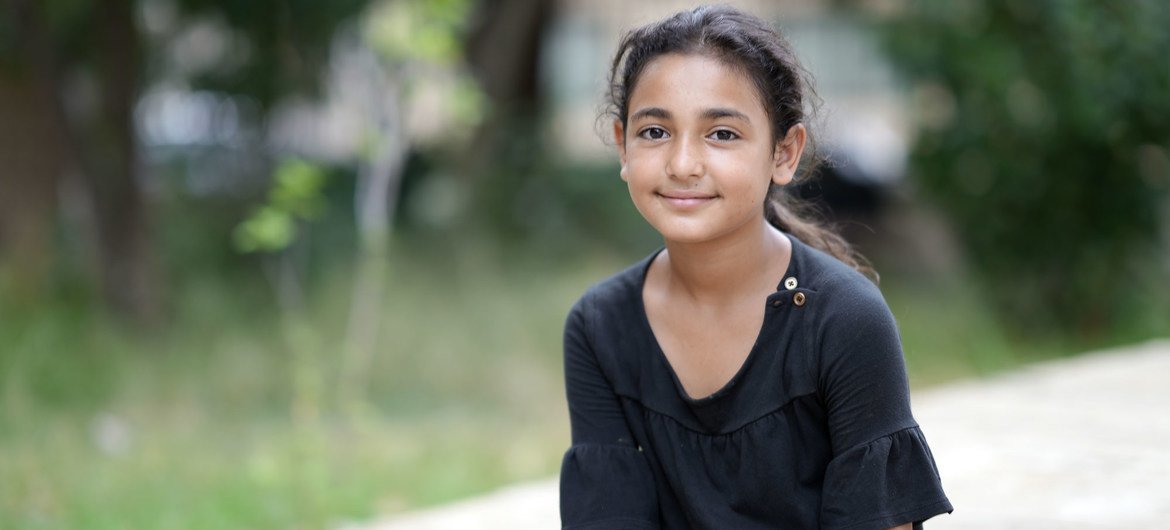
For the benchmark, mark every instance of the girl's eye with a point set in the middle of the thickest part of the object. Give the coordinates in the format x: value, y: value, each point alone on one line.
x: 653, y: 133
x: 724, y: 135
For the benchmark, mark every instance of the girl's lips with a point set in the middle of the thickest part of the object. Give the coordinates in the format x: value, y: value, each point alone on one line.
x: 684, y: 199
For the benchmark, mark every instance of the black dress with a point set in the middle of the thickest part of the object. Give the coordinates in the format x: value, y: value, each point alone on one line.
x: 814, y: 431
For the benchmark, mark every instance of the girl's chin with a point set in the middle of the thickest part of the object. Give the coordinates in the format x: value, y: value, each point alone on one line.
x: 686, y: 235
x: 690, y: 231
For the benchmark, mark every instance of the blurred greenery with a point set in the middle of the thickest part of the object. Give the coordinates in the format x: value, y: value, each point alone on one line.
x: 1046, y: 140
x: 233, y: 408
x: 296, y: 195
x: 420, y: 30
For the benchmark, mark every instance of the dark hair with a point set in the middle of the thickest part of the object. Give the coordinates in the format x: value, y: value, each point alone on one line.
x: 749, y: 44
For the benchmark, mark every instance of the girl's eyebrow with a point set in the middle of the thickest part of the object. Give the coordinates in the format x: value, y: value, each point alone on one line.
x: 716, y: 113
x: 708, y: 114
x: 650, y: 112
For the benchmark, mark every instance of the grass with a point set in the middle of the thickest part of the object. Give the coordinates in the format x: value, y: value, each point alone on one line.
x: 229, y: 418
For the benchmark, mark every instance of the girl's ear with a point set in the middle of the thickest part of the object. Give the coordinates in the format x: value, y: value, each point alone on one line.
x: 786, y: 158
x: 619, y: 139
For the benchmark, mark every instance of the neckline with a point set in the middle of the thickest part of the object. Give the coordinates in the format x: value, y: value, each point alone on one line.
x: 724, y: 389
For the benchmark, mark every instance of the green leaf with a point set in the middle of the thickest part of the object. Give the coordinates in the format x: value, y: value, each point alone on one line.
x: 298, y: 189
x: 267, y: 230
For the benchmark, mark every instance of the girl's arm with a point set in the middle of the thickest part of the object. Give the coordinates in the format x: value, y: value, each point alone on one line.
x: 882, y: 473
x: 606, y: 482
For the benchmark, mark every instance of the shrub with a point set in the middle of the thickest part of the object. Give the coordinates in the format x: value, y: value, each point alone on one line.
x: 1045, y: 138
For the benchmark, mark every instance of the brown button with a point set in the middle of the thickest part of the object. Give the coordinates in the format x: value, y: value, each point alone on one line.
x: 798, y: 299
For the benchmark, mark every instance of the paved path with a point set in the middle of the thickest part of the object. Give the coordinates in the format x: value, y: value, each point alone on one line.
x: 1073, y: 444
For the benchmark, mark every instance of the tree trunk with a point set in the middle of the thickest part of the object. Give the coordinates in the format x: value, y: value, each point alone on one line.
x: 100, y: 144
x: 504, y: 48
x: 375, y: 198
x: 30, y: 168
x: 35, y: 152
x: 503, y: 51
x: 128, y: 272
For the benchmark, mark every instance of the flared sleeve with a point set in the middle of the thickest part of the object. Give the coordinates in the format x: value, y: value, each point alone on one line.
x: 882, y: 473
x: 606, y: 482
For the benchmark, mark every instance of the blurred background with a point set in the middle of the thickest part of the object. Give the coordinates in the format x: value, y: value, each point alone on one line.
x: 287, y: 264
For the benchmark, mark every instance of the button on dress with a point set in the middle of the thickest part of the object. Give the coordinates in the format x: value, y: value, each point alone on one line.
x: 813, y: 431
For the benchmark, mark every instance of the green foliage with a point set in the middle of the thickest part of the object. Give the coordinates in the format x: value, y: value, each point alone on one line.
x: 467, y: 103
x: 267, y: 230
x: 421, y: 44
x: 296, y: 195
x: 67, y: 23
x: 281, y: 46
x: 225, y: 420
x: 1046, y: 139
x: 298, y: 188
x: 419, y: 30
x: 278, y: 47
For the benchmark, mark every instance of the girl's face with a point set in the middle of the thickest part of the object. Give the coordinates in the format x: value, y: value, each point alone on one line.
x: 697, y: 149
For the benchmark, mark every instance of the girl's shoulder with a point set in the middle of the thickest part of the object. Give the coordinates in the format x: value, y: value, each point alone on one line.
x: 618, y: 293
x: 609, y: 318
x: 830, y: 278
x: 839, y: 302
x: 847, y: 316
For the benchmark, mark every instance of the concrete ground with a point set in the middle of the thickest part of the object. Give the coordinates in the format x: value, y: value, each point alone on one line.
x: 1076, y: 444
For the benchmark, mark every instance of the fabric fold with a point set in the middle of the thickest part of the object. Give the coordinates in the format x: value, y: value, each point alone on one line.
x: 607, y: 487
x: 884, y: 480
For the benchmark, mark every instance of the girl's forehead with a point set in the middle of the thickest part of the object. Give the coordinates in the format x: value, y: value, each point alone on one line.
x: 694, y: 81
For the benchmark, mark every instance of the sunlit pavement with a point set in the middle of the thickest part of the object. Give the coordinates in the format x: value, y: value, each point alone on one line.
x: 1074, y: 444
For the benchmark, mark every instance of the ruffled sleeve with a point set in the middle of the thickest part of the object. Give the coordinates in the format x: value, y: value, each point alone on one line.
x: 606, y: 482
x: 882, y: 473
x: 884, y: 483
x: 607, y: 487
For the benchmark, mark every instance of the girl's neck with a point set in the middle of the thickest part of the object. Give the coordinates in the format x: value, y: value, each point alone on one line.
x: 725, y: 271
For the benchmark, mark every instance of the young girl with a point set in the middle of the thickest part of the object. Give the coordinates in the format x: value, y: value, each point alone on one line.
x: 747, y: 375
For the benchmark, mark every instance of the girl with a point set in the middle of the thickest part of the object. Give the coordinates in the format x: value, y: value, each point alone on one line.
x: 747, y: 375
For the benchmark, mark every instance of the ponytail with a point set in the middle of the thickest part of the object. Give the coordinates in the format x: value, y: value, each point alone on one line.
x: 801, y: 220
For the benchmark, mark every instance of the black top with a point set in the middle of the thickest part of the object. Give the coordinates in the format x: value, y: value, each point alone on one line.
x: 814, y: 431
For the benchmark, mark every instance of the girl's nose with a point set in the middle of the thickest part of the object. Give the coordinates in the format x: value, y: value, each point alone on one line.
x: 686, y: 160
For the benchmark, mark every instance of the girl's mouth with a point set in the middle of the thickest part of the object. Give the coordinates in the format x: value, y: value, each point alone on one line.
x: 685, y: 199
